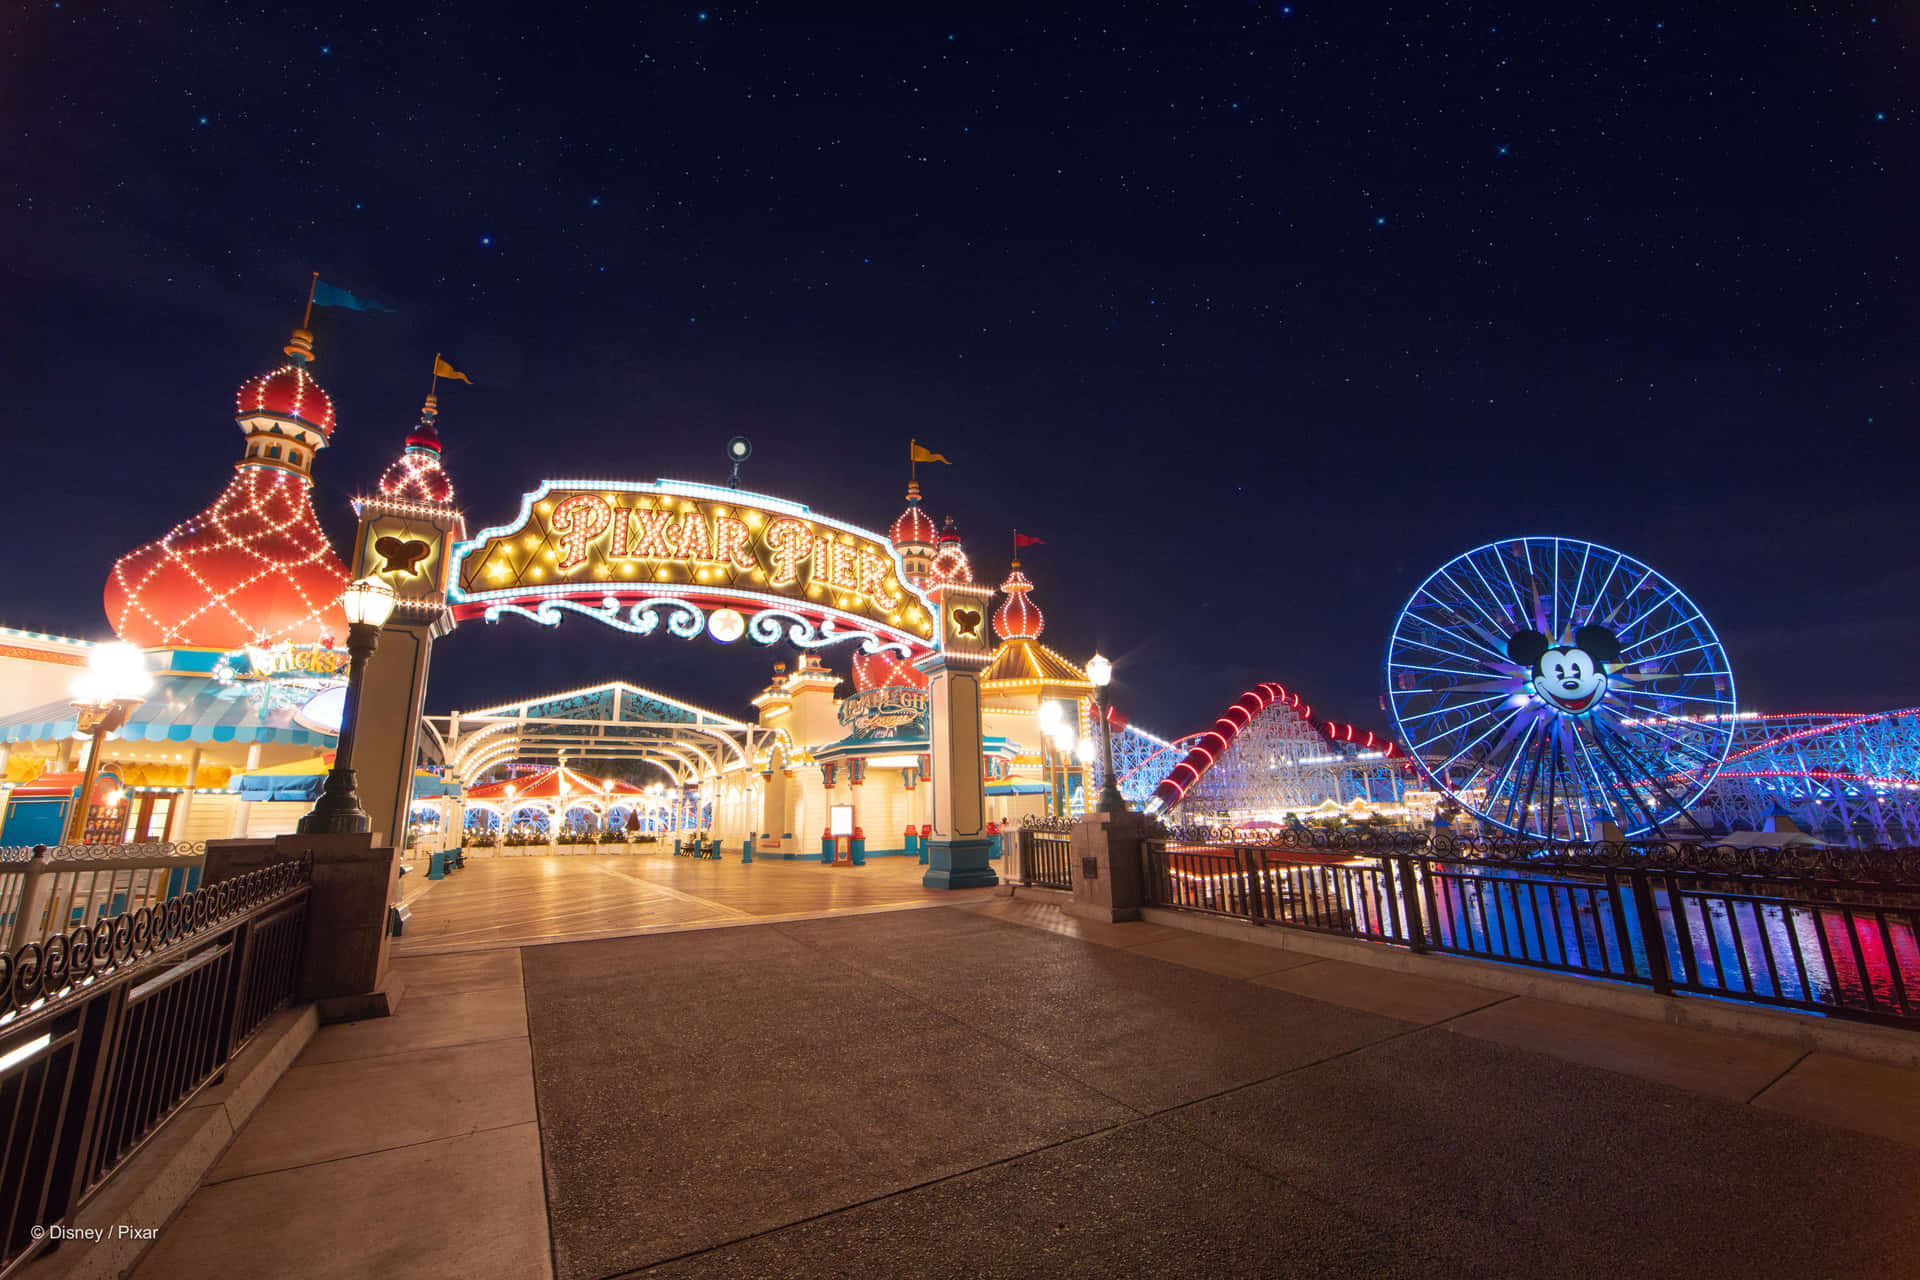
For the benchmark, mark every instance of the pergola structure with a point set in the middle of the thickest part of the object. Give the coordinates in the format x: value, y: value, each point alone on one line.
x: 608, y: 722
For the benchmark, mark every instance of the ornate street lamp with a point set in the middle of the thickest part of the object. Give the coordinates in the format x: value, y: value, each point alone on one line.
x: 115, y: 682
x: 1100, y: 671
x: 368, y: 604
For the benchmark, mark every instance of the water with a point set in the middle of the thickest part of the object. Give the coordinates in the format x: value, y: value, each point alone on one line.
x: 1859, y: 958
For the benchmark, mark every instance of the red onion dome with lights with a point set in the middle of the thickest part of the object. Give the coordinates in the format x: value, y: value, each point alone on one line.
x: 913, y: 537
x: 950, y: 561
x: 1017, y: 618
x: 254, y: 568
x: 416, y: 475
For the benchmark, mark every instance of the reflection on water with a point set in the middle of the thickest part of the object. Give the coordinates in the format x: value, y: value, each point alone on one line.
x: 1857, y: 957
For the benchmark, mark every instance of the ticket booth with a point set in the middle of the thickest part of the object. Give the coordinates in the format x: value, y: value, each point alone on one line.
x: 39, y: 812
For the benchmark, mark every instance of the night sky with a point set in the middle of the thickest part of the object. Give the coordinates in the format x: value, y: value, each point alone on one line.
x: 1256, y: 313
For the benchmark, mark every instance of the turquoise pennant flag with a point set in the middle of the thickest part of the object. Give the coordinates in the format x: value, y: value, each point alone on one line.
x: 326, y: 295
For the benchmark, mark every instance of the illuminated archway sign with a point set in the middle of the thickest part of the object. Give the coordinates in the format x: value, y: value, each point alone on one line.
x: 692, y: 557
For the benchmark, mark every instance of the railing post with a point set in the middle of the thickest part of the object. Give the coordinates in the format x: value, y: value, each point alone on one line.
x: 1652, y: 937
x: 1250, y: 879
x: 35, y: 884
x: 1410, y: 903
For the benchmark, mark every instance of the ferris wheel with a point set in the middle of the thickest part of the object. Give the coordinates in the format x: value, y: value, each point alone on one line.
x: 1549, y: 685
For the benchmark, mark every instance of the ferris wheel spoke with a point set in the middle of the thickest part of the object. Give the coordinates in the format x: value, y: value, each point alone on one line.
x: 1646, y: 576
x: 1600, y: 595
x: 1499, y: 657
x: 1680, y: 743
x: 1496, y: 726
x: 1458, y: 706
x: 1626, y: 649
x: 1469, y: 598
x: 1641, y: 618
x: 1623, y: 785
x: 1522, y: 797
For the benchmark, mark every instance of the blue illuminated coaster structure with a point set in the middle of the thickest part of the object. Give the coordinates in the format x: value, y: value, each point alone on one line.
x: 1550, y: 686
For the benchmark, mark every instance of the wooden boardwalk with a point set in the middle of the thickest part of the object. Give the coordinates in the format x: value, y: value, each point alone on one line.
x: 513, y: 901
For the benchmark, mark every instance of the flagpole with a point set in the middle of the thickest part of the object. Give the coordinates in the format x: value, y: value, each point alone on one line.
x: 306, y: 321
x: 913, y: 463
x: 433, y: 383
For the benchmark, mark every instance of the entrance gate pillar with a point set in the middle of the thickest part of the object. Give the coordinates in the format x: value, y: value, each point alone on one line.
x: 957, y: 855
x: 405, y: 545
x: 388, y: 735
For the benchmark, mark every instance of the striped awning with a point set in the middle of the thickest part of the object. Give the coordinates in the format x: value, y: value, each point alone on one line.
x: 188, y: 708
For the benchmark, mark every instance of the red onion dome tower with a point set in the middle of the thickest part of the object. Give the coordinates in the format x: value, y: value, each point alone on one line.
x: 950, y: 561
x: 254, y: 568
x: 913, y: 537
x: 1017, y: 618
x: 416, y: 475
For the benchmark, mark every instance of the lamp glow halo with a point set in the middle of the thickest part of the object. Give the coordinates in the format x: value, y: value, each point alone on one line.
x: 1548, y: 685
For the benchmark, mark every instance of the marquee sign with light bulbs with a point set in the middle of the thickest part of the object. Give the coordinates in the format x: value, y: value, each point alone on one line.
x: 694, y: 558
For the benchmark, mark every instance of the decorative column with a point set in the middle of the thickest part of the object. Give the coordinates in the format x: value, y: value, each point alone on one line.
x: 957, y: 856
x: 829, y: 775
x: 177, y: 823
x: 404, y: 542
x: 856, y: 776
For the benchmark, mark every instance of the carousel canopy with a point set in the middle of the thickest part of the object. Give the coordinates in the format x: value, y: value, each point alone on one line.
x: 185, y: 708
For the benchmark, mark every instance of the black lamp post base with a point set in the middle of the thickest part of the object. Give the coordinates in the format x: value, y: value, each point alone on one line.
x: 338, y: 811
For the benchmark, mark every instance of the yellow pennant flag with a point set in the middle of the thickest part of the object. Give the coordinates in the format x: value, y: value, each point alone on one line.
x: 919, y: 454
x: 441, y: 369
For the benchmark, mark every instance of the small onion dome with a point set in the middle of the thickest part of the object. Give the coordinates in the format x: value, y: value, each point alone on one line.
x: 288, y: 393
x: 914, y: 528
x: 1017, y: 618
x: 886, y: 671
x: 950, y: 561
x: 416, y: 475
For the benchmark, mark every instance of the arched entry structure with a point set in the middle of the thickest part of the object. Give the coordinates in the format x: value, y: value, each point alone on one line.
x: 696, y: 558
x: 613, y: 721
x: 701, y: 754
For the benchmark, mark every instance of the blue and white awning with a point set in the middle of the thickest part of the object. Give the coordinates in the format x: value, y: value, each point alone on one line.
x: 190, y: 708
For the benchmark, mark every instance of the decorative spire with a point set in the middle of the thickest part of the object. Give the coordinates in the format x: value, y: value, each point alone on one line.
x: 1017, y: 618
x: 416, y: 475
x: 950, y: 561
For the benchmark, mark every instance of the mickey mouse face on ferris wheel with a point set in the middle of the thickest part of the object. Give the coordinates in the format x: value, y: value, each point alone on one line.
x: 1569, y: 678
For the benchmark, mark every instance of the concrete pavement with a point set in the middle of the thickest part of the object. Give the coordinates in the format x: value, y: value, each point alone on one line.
x: 1002, y: 1090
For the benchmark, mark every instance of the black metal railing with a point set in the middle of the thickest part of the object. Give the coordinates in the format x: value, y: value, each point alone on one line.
x: 1045, y: 861
x: 1843, y: 947
x: 109, y: 1030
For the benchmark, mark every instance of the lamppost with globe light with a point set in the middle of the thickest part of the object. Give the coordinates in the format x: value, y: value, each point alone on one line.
x: 115, y: 682
x: 1052, y: 726
x: 368, y: 604
x: 1100, y: 671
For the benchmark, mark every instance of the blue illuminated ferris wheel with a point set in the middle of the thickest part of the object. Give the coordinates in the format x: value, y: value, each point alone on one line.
x: 1548, y: 684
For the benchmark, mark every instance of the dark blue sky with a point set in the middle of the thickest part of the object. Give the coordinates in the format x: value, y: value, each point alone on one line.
x: 1256, y: 312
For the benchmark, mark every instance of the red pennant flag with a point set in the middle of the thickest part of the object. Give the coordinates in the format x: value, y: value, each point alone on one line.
x: 1116, y: 721
x: 1022, y: 540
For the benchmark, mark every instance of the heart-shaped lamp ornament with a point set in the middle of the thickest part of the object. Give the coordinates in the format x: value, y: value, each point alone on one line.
x: 966, y: 622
